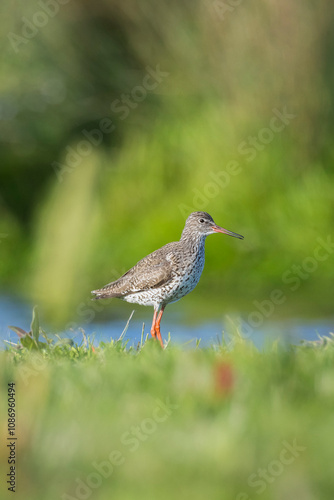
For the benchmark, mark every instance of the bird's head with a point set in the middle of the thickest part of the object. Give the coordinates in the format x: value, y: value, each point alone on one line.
x: 203, y: 224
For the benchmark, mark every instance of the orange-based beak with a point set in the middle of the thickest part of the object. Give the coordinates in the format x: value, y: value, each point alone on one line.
x: 218, y: 229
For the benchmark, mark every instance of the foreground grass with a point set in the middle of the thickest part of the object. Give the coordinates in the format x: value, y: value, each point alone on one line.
x: 117, y: 423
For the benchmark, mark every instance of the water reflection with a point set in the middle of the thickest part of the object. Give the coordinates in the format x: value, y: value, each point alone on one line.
x: 17, y: 313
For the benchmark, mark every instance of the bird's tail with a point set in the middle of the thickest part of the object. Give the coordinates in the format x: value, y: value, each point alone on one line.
x: 104, y: 294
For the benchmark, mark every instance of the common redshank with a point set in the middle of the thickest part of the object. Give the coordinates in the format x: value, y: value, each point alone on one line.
x: 169, y: 273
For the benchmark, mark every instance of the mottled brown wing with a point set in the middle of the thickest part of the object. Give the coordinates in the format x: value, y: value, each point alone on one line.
x: 153, y: 271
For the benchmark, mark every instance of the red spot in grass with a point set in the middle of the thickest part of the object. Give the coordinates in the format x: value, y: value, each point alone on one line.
x: 224, y: 378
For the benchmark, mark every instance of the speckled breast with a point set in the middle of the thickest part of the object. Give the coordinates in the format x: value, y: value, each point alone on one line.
x: 187, y: 279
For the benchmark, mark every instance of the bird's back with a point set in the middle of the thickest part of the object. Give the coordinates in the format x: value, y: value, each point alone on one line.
x: 154, y: 270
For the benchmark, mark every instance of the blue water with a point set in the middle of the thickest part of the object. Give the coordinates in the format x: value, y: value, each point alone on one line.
x: 18, y: 313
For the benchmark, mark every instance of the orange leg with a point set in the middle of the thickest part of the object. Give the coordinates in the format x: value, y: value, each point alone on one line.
x: 157, y: 327
x: 153, y: 333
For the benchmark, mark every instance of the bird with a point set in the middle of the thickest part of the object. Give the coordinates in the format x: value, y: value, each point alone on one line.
x: 169, y: 273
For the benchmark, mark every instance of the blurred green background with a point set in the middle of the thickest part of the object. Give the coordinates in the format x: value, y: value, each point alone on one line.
x: 120, y: 118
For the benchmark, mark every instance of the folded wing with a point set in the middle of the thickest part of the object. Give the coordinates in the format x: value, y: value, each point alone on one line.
x: 153, y: 271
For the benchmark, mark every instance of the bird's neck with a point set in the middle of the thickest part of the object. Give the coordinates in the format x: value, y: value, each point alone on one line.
x: 195, y: 240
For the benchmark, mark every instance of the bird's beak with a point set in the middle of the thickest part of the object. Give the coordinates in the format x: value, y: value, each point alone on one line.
x: 218, y: 229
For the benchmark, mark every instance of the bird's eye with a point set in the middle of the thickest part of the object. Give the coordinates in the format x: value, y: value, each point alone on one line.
x: 202, y: 220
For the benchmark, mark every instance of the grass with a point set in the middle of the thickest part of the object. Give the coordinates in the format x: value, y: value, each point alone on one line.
x: 123, y: 423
